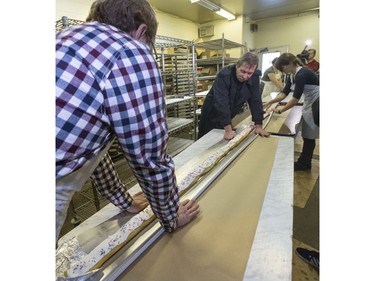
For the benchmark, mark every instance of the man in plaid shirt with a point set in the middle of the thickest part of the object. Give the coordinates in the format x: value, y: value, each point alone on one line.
x: 108, y: 84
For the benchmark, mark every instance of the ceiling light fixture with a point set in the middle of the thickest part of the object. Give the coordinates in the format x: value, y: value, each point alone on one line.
x: 215, y: 8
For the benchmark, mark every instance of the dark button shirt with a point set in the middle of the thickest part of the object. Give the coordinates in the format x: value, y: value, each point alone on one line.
x: 226, y: 99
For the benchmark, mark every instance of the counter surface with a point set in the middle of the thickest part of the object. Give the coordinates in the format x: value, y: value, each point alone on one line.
x: 272, y: 235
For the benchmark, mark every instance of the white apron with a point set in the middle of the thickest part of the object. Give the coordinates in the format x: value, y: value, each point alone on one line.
x: 311, y: 93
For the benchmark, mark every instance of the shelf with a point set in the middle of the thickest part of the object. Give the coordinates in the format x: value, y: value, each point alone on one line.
x: 218, y: 44
x: 200, y: 78
x: 215, y: 61
x: 167, y: 42
x: 177, y: 124
x: 177, y: 70
x: 209, y: 67
x: 174, y: 101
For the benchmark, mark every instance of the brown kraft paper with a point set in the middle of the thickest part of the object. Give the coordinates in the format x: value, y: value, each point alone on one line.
x: 217, y: 244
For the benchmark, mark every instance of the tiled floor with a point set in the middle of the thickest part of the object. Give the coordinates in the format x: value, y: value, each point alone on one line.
x: 306, y: 214
x: 306, y: 210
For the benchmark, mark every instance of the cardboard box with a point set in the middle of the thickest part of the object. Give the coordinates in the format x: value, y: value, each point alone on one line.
x: 208, y: 71
x: 206, y: 85
x: 215, y: 54
x: 199, y: 87
x: 169, y: 50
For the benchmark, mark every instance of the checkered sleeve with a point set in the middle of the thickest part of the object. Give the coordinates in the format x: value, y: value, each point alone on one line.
x: 109, y: 83
x: 136, y: 108
x: 108, y: 183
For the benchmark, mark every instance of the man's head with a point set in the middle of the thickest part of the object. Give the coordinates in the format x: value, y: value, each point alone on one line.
x: 312, y: 53
x: 246, y: 66
x: 135, y: 17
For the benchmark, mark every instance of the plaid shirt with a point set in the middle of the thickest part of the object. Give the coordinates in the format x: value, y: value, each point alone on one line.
x: 109, y: 83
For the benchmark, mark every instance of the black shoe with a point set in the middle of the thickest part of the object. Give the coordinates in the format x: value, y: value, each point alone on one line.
x: 311, y: 257
x: 301, y: 167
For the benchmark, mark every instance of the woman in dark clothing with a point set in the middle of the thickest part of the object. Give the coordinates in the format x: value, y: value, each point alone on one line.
x: 301, y: 81
x: 234, y: 85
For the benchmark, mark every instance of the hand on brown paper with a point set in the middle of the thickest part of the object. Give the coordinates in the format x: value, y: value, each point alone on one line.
x: 261, y: 132
x: 187, y: 211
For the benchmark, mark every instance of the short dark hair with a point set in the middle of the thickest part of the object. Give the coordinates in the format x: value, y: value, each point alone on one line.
x: 248, y: 58
x: 285, y: 59
x: 126, y: 15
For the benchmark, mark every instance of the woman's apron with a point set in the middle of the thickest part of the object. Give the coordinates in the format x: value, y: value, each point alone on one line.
x: 309, y: 129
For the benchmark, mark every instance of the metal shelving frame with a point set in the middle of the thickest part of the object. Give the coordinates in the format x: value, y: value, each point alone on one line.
x: 216, y: 45
x: 188, y: 70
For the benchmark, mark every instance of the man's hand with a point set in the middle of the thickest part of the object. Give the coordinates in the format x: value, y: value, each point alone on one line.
x: 261, y: 132
x: 267, y: 107
x: 228, y: 132
x: 187, y: 211
x: 228, y: 135
x: 139, y: 203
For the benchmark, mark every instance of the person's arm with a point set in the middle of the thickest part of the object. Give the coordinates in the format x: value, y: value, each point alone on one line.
x: 222, y: 103
x: 228, y: 132
x: 136, y: 109
x: 278, y: 98
x: 274, y: 80
x: 282, y: 95
x: 108, y: 183
x: 256, y: 107
x: 300, y: 82
x: 292, y: 102
x: 261, y: 132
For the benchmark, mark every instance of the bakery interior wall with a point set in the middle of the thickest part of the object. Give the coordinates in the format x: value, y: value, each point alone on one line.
x: 169, y: 25
x: 290, y: 32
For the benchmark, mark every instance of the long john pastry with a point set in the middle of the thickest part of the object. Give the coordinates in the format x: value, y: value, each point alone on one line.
x: 71, y: 261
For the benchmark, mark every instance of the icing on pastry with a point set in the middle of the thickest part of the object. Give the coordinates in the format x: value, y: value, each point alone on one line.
x: 71, y: 261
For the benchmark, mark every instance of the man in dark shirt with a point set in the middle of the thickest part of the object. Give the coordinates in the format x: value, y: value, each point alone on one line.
x: 234, y: 85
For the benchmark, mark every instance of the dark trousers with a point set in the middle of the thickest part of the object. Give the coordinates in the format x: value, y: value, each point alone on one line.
x: 307, y: 152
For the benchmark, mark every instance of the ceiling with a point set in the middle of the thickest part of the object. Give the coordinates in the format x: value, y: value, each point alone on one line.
x: 253, y: 9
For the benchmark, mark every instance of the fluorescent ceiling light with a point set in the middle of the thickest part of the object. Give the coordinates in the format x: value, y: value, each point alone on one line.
x: 215, y: 8
x: 207, y: 4
x: 225, y: 14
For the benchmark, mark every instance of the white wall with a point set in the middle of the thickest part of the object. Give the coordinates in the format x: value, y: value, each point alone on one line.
x: 248, y: 38
x: 176, y: 27
x: 292, y: 31
x: 73, y: 9
x: 232, y: 31
x: 169, y: 25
